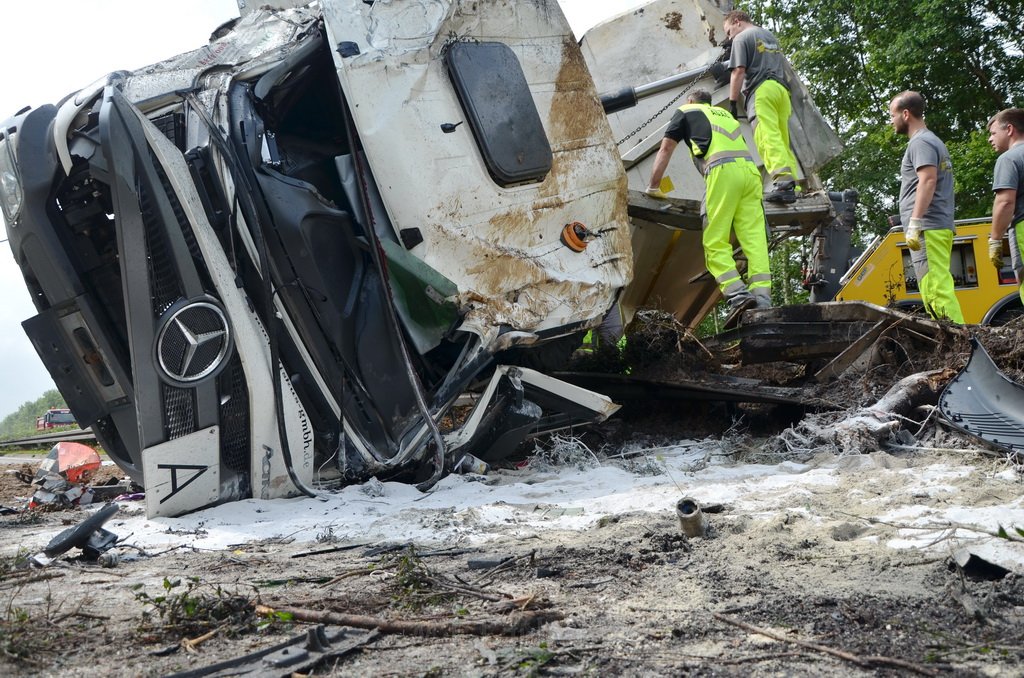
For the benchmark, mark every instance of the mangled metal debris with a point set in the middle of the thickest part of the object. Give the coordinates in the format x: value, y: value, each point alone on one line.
x: 63, y: 476
x: 851, y: 335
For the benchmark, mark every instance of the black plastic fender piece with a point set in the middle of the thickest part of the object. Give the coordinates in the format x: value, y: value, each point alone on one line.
x: 983, y: 402
x: 300, y: 654
x: 87, y: 535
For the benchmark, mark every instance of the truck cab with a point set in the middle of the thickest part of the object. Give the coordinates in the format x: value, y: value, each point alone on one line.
x: 276, y: 262
x: 55, y: 418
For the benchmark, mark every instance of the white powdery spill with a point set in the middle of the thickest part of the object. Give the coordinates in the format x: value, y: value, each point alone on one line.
x: 470, y: 510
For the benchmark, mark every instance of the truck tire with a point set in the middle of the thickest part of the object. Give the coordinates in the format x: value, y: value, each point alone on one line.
x: 1009, y: 312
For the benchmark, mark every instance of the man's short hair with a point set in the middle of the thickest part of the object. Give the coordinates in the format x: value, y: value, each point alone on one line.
x: 910, y: 101
x: 700, y: 96
x: 1013, y: 117
x: 737, y: 16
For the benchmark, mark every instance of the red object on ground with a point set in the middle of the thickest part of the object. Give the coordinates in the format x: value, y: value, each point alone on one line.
x: 73, y: 461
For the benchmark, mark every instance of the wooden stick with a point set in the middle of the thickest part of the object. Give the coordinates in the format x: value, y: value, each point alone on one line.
x: 345, y: 575
x: 468, y: 590
x: 520, y: 624
x: 191, y: 645
x: 22, y: 580
x: 866, y: 662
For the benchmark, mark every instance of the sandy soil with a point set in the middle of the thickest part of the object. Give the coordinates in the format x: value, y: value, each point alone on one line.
x: 629, y: 596
x: 778, y: 586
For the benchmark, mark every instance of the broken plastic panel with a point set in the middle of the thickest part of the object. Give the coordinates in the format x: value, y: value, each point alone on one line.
x: 983, y: 402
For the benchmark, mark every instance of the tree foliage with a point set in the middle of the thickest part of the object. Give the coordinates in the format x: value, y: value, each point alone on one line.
x: 966, y: 57
x: 22, y: 422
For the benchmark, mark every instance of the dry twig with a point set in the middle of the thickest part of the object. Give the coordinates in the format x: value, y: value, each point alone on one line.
x: 190, y: 645
x: 521, y: 623
x: 863, y: 661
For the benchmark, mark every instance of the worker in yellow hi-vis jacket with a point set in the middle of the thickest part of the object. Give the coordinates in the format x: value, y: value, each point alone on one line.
x: 732, y: 200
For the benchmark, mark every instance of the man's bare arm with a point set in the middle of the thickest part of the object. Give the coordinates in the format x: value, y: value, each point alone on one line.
x: 736, y: 82
x: 1002, y: 212
x: 668, y: 146
x: 927, y: 177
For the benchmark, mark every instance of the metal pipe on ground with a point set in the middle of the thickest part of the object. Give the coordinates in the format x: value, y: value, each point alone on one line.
x: 692, y: 521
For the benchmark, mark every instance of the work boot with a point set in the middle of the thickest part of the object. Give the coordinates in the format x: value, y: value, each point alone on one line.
x: 782, y: 191
x: 763, y: 301
x: 741, y: 302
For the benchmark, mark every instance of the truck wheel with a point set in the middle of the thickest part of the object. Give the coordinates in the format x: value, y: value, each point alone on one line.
x: 1007, y: 314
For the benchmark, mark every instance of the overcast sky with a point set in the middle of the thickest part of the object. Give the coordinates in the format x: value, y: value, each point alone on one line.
x: 51, y: 48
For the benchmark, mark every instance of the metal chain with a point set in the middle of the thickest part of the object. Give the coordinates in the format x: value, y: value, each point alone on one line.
x: 670, y: 103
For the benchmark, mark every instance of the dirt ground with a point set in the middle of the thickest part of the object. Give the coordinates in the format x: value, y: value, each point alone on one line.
x: 797, y: 592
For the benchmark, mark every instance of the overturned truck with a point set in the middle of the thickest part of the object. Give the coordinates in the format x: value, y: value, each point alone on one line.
x: 277, y: 262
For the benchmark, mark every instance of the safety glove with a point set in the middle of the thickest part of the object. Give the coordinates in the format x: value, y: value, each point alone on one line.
x: 656, y: 193
x: 734, y: 108
x: 913, y: 233
x: 995, y: 252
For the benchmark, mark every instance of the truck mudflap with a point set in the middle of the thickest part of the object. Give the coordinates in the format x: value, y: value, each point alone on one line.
x: 983, y: 402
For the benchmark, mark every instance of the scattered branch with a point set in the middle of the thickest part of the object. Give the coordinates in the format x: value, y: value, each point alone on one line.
x: 869, y: 661
x: 519, y: 624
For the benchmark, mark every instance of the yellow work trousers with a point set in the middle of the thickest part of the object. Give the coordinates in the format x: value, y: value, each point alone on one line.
x: 931, y: 263
x: 772, y: 108
x: 733, y: 203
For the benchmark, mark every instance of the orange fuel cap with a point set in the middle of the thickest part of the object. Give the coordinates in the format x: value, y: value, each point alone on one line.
x: 574, y: 236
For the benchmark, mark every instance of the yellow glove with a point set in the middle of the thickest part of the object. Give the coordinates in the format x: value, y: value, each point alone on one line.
x: 656, y: 193
x: 913, y: 233
x: 995, y: 253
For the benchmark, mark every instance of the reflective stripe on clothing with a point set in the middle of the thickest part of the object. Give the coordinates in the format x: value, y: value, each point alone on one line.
x: 759, y: 280
x: 934, y: 281
x: 726, y: 136
x: 772, y: 109
x: 723, y: 157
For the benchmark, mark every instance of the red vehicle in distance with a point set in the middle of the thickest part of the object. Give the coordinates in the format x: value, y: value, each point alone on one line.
x: 55, y: 418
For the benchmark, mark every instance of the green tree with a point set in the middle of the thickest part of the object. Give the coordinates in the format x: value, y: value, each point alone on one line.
x: 22, y: 422
x: 966, y: 57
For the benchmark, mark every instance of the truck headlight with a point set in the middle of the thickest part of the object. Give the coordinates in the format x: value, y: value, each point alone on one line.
x: 11, y: 193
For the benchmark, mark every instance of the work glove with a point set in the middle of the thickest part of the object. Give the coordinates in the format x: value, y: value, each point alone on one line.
x: 734, y: 108
x: 995, y: 253
x: 655, y: 193
x: 913, y: 234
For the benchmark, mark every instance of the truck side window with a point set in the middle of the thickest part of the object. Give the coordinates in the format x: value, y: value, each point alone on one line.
x: 500, y: 110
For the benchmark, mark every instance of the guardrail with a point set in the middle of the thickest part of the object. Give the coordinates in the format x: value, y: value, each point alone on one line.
x: 78, y: 435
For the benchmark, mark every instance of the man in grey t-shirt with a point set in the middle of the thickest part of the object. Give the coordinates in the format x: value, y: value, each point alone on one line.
x: 757, y: 62
x: 1006, y: 134
x: 926, y: 206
